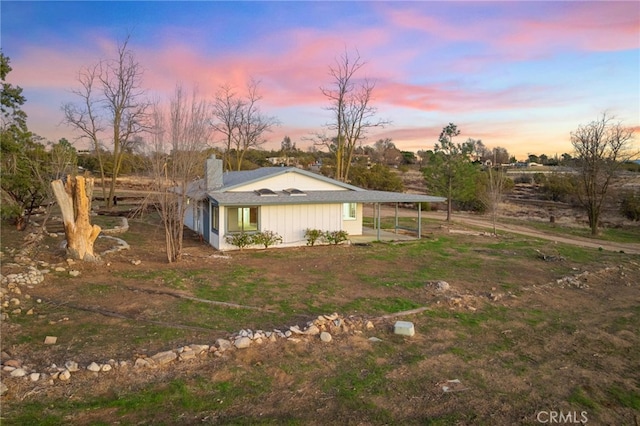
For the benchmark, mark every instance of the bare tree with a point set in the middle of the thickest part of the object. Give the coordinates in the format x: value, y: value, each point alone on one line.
x: 226, y: 111
x: 241, y: 122
x: 496, y: 186
x: 352, y: 112
x: 85, y: 116
x: 112, y: 101
x: 179, y: 140
x: 601, y: 146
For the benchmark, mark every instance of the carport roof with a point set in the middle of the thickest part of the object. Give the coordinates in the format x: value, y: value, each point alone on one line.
x: 319, y: 197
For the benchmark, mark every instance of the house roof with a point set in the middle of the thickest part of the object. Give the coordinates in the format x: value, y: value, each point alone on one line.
x: 348, y: 194
x: 245, y: 198
x: 231, y: 180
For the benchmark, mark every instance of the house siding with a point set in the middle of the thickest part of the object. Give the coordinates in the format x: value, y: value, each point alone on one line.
x: 291, y: 221
x: 189, y: 217
x: 353, y: 227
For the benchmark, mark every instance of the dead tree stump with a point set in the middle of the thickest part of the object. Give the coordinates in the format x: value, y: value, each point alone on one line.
x: 74, y: 198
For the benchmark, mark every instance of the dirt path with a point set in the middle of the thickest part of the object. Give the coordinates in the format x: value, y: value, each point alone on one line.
x: 463, y: 218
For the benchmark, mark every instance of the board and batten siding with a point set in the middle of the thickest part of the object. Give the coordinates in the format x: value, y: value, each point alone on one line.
x: 291, y: 221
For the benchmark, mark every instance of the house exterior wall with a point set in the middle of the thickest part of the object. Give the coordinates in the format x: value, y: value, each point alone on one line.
x: 193, y: 216
x: 290, y: 221
x: 190, y: 216
x: 354, y: 227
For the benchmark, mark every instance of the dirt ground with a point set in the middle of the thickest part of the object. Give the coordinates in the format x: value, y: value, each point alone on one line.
x: 505, y: 352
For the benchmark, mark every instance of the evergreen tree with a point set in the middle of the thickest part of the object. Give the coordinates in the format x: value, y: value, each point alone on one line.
x: 23, y: 161
x: 449, y: 171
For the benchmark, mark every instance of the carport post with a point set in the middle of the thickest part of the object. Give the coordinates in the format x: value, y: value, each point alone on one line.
x: 396, y: 229
x: 419, y: 220
x: 378, y: 219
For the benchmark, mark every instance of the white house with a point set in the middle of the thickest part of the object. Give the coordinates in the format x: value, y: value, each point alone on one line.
x: 284, y: 200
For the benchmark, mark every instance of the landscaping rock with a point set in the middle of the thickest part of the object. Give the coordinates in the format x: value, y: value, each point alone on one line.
x: 325, y: 337
x: 50, y: 340
x: 187, y: 354
x: 442, y: 286
x: 312, y: 330
x: 64, y: 375
x: 72, y: 366
x: 242, y: 342
x: 223, y: 344
x: 166, y: 357
x: 12, y: 363
x: 18, y: 372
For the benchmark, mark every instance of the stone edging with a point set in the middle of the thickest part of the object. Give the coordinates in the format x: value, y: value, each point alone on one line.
x: 321, y: 329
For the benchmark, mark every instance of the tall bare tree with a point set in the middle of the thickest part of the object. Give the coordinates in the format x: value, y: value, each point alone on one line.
x: 112, y: 105
x: 353, y: 114
x: 497, y: 184
x: 241, y: 122
x: 601, y: 146
x: 226, y: 110
x: 179, y: 139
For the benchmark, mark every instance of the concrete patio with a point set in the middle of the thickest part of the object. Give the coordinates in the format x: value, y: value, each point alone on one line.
x: 369, y: 235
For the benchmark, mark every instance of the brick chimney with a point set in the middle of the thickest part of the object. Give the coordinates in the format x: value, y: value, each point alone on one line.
x: 213, y: 173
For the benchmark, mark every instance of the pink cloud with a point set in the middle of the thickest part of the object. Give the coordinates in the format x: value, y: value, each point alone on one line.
x: 589, y: 26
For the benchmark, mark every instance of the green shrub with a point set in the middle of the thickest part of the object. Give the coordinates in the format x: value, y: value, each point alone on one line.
x: 630, y: 207
x: 312, y: 235
x: 266, y: 238
x: 10, y: 212
x: 539, y: 178
x: 240, y: 240
x: 425, y: 207
x: 523, y: 178
x: 559, y: 187
x: 335, y: 237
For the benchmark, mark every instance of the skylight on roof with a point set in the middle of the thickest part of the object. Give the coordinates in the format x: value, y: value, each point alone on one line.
x: 294, y: 192
x: 266, y: 192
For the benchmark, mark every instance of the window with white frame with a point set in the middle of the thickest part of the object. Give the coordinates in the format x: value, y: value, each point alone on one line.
x: 349, y: 211
x: 242, y: 219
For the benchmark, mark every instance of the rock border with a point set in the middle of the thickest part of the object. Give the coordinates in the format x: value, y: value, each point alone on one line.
x: 320, y: 329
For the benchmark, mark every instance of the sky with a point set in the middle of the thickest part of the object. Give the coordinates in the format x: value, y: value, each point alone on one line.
x: 514, y: 74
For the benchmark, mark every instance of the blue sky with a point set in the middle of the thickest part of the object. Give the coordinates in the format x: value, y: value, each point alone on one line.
x: 520, y: 75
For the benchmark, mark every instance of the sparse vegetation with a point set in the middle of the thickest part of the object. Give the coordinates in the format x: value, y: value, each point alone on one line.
x: 240, y: 240
x: 336, y: 237
x: 491, y: 346
x: 313, y: 236
x: 266, y: 239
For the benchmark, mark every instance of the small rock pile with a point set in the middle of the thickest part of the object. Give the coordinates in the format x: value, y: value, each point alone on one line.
x: 14, y: 292
x: 575, y: 281
x: 32, y: 276
x: 322, y: 328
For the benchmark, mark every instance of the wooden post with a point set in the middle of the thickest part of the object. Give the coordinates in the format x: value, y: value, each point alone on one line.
x: 74, y: 199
